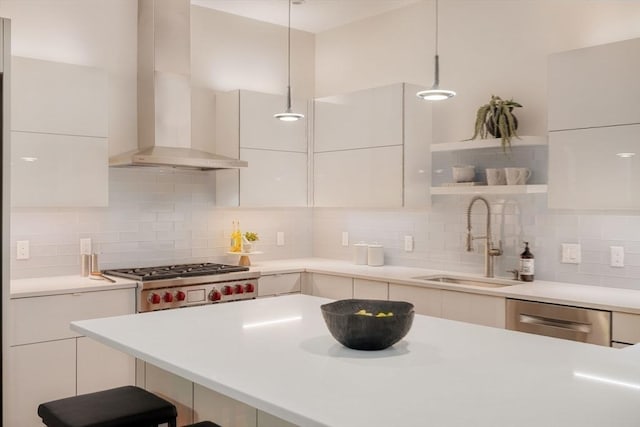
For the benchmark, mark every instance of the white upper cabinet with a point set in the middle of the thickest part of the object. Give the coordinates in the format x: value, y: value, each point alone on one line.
x: 589, y: 168
x: 260, y: 130
x: 277, y: 151
x: 595, y: 86
x: 59, y: 124
x: 594, y: 127
x: 369, y: 177
x: 363, y: 119
x: 52, y: 97
x: 371, y: 149
x: 58, y: 170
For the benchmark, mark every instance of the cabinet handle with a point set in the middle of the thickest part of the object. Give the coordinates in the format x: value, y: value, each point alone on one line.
x: 77, y: 294
x: 556, y: 323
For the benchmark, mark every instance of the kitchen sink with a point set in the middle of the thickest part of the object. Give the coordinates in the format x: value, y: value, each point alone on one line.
x: 484, y: 282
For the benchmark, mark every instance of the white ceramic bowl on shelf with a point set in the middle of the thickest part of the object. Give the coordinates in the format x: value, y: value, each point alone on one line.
x: 463, y: 173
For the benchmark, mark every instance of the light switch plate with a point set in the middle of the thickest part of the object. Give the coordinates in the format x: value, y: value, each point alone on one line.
x: 280, y: 238
x: 345, y: 238
x: 85, y: 246
x: 408, y: 243
x: 617, y: 256
x: 22, y: 249
x: 571, y: 253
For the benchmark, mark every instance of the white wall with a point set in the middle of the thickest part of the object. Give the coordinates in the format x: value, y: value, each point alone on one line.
x: 486, y: 47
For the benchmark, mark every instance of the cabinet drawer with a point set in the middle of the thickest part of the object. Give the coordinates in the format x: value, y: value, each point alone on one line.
x: 279, y: 284
x: 46, y: 318
x: 370, y: 289
x: 625, y: 328
x: 334, y: 287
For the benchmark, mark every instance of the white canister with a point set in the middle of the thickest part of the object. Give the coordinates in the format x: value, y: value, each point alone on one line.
x: 360, y: 255
x: 375, y: 255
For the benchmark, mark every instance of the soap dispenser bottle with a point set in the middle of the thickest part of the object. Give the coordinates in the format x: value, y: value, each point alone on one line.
x: 526, y: 264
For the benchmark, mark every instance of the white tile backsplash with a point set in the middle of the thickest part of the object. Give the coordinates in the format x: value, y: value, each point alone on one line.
x: 154, y: 217
x: 159, y: 217
x: 439, y: 235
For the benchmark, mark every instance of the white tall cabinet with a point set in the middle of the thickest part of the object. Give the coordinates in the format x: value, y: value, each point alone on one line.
x: 594, y: 127
x: 371, y: 148
x: 277, y: 151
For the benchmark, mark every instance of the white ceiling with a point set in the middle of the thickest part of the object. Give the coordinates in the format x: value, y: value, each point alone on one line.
x: 313, y: 16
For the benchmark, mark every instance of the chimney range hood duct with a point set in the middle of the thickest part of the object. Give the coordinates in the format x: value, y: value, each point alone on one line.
x: 164, y: 92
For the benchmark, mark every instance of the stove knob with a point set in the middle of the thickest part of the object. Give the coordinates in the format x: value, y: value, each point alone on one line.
x: 249, y: 288
x: 168, y: 297
x: 180, y: 296
x: 239, y: 289
x: 215, y: 295
x: 154, y: 298
x: 227, y: 290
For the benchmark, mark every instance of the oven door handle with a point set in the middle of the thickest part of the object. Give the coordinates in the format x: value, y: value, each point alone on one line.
x: 556, y: 323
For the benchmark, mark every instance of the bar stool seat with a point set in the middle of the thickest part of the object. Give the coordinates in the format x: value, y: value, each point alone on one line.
x: 203, y: 424
x: 127, y: 406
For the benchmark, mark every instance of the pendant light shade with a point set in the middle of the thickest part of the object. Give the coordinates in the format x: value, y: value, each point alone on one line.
x: 436, y: 93
x: 289, y: 115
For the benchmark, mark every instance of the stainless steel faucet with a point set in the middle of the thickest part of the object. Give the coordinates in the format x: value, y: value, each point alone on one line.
x: 489, y: 250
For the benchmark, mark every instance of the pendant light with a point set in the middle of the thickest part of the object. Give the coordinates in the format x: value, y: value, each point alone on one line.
x: 435, y: 93
x: 289, y: 115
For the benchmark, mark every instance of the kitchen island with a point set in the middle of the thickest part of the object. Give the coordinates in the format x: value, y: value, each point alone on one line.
x: 276, y: 355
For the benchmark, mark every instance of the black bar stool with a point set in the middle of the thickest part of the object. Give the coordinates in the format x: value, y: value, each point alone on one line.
x: 127, y: 406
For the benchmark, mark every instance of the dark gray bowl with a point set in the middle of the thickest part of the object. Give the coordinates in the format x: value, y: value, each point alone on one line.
x: 367, y: 332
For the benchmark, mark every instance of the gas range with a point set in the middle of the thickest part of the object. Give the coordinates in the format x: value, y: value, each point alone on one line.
x: 184, y: 285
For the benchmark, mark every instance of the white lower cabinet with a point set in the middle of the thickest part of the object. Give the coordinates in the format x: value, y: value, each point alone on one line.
x: 38, y: 373
x: 267, y: 420
x: 465, y: 307
x: 625, y: 329
x: 370, y: 289
x: 100, y: 367
x: 334, y: 287
x: 48, y: 361
x: 209, y: 405
x: 474, y: 308
x: 173, y: 388
x: 196, y: 403
x: 279, y: 284
x: 426, y: 301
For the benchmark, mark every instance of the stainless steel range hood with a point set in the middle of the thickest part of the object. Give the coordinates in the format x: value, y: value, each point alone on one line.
x: 164, y: 92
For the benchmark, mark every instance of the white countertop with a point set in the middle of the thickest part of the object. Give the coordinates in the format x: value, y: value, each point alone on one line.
x: 56, y: 285
x: 615, y: 299
x: 444, y: 373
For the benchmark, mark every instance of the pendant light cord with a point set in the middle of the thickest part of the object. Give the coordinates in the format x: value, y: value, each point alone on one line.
x: 436, y: 27
x: 289, y: 59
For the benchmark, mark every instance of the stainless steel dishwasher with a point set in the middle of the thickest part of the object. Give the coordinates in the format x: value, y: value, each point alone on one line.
x: 560, y: 321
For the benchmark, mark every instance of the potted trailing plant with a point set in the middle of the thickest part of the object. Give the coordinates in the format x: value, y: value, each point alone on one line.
x: 496, y: 118
x: 249, y: 238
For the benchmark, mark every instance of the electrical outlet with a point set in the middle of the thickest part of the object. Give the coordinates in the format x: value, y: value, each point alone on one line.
x: 85, y: 246
x: 345, y: 238
x: 571, y: 253
x: 280, y: 238
x: 617, y: 256
x: 408, y: 243
x: 22, y: 249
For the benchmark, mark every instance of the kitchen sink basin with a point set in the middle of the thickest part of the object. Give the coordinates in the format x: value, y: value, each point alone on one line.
x: 469, y: 281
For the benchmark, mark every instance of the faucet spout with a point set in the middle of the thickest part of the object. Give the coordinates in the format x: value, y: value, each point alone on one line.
x: 489, y: 250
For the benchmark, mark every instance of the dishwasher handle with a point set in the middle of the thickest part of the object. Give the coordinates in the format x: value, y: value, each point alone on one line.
x: 556, y: 323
